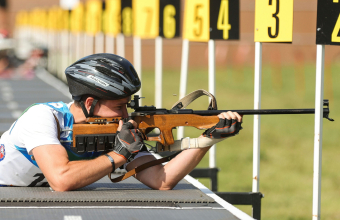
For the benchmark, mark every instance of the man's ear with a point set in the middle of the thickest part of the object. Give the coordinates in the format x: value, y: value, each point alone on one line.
x: 88, y: 103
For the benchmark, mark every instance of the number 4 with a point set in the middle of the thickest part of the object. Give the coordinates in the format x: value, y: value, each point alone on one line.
x: 335, y: 37
x: 223, y: 19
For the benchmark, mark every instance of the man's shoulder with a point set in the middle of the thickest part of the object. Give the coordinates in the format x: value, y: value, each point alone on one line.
x: 38, y: 109
x: 47, y: 107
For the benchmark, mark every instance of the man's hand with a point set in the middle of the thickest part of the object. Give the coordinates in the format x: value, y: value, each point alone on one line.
x: 129, y: 140
x: 229, y: 125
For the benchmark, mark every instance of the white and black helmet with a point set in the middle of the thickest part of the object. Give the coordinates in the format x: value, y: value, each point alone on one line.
x: 103, y: 76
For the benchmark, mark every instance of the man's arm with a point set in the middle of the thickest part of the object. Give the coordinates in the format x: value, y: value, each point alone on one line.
x: 64, y: 175
x: 166, y: 177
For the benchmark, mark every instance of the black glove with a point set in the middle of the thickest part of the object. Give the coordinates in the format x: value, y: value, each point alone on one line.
x: 129, y: 142
x: 223, y: 129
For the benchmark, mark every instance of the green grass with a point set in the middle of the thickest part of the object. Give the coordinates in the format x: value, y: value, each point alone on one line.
x: 287, y: 141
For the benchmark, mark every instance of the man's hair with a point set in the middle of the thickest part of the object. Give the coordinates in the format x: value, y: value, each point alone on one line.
x: 83, y: 98
x: 3, y: 4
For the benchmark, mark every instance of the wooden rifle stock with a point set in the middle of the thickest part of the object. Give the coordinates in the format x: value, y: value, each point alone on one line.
x: 165, y: 123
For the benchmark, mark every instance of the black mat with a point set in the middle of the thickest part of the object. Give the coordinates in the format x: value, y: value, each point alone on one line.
x: 104, y: 191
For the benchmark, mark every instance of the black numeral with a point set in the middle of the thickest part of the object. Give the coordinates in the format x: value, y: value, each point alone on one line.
x: 40, y: 178
x: 276, y: 19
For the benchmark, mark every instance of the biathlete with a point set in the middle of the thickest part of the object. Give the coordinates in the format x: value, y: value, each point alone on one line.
x: 101, y: 85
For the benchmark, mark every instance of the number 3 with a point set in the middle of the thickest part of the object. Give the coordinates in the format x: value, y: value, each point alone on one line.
x: 276, y: 19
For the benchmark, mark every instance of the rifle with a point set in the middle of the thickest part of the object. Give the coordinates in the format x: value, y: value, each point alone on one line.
x: 98, y: 134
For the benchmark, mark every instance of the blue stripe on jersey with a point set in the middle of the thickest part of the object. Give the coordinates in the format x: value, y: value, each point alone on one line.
x: 25, y: 153
x: 67, y: 123
x: 13, y: 126
x: 68, y: 135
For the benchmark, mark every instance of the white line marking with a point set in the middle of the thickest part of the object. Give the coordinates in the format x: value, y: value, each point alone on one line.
x: 16, y: 114
x: 6, y: 88
x: 232, y: 209
x: 52, y: 81
x: 7, y: 96
x: 72, y: 217
x: 12, y: 105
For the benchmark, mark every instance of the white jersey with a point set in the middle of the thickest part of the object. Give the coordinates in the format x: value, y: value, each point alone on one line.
x: 36, y: 127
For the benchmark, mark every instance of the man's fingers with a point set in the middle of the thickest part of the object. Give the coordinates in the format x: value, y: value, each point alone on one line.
x: 127, y: 125
x: 133, y: 123
x: 238, y: 116
x: 120, y: 124
x: 231, y: 115
x: 223, y: 115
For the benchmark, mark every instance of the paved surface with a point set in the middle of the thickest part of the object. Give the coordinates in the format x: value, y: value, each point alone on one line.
x: 17, y: 94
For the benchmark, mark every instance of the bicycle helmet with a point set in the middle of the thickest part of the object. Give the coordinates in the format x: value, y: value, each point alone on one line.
x: 104, y: 76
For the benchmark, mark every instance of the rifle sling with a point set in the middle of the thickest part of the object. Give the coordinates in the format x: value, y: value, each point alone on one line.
x: 186, y: 100
x: 142, y: 167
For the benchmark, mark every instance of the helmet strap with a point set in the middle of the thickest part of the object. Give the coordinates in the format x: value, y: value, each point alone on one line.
x: 90, y: 114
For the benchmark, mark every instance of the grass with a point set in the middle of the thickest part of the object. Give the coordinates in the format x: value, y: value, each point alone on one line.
x: 287, y: 141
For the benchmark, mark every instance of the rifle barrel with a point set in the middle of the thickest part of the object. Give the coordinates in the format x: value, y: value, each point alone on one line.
x: 151, y: 110
x: 262, y: 111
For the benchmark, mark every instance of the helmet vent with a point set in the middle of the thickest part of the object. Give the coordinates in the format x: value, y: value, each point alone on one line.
x: 104, y: 61
x: 104, y: 70
x: 108, y: 72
